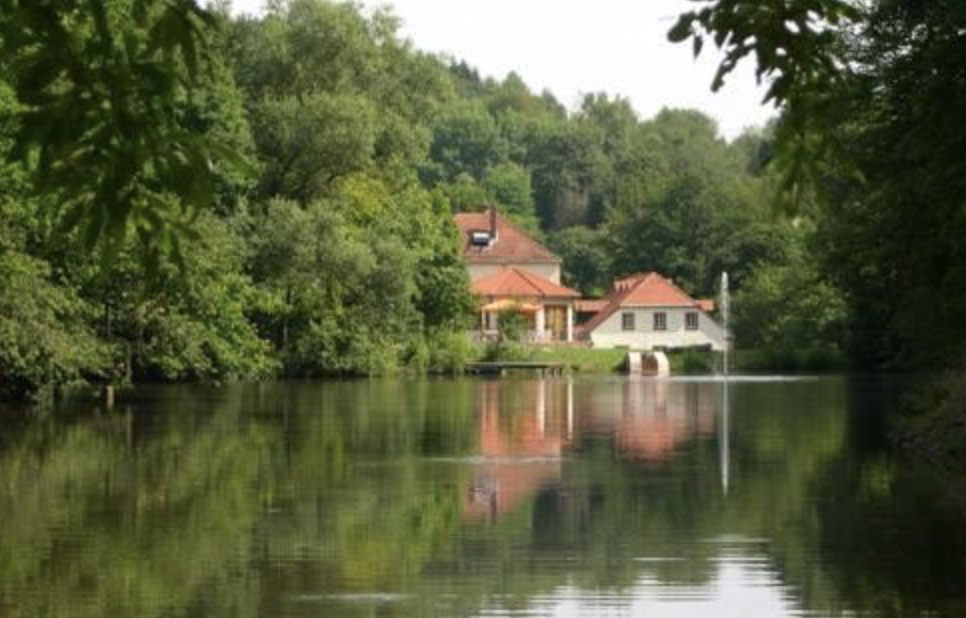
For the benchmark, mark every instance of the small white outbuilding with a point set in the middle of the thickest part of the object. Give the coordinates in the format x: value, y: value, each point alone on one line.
x: 648, y: 312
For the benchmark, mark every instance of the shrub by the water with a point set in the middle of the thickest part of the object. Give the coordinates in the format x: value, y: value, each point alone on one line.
x: 511, y: 351
x: 692, y: 361
x: 450, y: 352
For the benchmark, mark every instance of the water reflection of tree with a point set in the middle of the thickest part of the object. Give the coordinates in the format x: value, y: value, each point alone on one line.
x: 891, y: 530
x: 612, y: 506
x: 99, y: 520
x: 272, y: 499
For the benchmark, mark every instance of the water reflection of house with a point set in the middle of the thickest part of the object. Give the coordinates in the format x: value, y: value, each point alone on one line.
x: 524, y: 429
x: 652, y: 420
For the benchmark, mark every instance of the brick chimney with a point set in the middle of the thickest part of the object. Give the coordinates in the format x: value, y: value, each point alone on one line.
x: 493, y: 225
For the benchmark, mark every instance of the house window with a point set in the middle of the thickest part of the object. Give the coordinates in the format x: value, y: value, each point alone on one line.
x: 691, y: 320
x: 627, y: 321
x: 660, y: 321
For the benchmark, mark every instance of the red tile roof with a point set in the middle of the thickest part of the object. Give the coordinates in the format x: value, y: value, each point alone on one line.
x: 512, y: 244
x: 517, y: 283
x: 642, y: 290
x: 591, y: 306
x: 653, y: 290
x: 706, y: 304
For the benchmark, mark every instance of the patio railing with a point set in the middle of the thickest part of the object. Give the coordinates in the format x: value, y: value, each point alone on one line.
x: 532, y: 336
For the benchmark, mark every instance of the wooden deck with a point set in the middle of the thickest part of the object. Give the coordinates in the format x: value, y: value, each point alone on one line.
x: 501, y: 367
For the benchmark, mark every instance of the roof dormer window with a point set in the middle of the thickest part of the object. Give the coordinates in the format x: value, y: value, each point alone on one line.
x: 480, y: 239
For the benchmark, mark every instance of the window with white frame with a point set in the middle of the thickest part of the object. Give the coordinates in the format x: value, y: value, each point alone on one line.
x: 691, y: 320
x: 627, y: 321
x: 660, y: 321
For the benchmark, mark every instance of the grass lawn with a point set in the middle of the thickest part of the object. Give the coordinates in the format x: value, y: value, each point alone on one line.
x: 683, y: 362
x: 591, y: 360
x: 584, y: 360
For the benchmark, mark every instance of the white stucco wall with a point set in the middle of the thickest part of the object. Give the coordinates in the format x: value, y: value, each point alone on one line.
x: 547, y: 271
x: 610, y: 332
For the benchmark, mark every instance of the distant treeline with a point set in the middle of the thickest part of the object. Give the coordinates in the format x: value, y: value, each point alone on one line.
x: 336, y: 251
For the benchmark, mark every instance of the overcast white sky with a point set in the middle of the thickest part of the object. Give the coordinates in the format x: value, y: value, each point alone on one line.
x: 572, y: 47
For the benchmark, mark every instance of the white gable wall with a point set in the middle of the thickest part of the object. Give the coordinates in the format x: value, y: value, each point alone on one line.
x: 610, y: 332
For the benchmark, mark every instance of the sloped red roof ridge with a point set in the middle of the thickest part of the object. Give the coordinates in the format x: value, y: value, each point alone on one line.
x: 643, y: 290
x: 653, y: 290
x: 590, y: 305
x: 512, y: 244
x: 520, y: 283
x: 614, y: 302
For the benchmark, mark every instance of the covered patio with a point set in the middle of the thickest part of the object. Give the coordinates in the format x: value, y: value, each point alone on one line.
x: 548, y: 307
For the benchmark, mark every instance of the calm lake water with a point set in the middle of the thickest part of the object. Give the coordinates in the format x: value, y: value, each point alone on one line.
x: 513, y: 497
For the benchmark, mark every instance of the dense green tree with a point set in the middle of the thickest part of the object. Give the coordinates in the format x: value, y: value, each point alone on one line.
x: 870, y: 95
x: 362, y: 264
x: 508, y: 185
x: 104, y: 87
x: 586, y: 264
x: 894, y: 239
x: 45, y: 336
x: 216, y: 108
x: 358, y: 280
x: 789, y: 312
x: 690, y: 211
x: 182, y: 323
x: 465, y: 193
x: 335, y: 250
x: 466, y: 140
x: 563, y: 159
x: 319, y: 272
x: 614, y: 125
x: 332, y: 92
x: 310, y: 141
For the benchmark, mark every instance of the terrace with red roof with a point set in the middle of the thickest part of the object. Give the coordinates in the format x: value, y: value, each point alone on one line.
x: 510, y: 271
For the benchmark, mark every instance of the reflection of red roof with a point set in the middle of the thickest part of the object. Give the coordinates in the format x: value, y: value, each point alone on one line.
x: 500, y: 486
x: 511, y: 245
x: 518, y: 283
x: 500, y: 489
x: 650, y: 438
x: 653, y: 421
x: 642, y: 290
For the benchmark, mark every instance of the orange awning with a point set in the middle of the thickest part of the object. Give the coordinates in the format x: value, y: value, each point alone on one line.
x: 505, y: 304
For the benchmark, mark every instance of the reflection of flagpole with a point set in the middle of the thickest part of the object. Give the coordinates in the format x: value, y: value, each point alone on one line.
x: 570, y: 408
x: 725, y: 440
x: 541, y: 407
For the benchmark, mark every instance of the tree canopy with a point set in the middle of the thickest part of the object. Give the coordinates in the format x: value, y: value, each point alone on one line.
x: 332, y: 248
x: 870, y: 96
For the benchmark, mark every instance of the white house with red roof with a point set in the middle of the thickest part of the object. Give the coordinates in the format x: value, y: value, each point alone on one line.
x: 510, y: 271
x: 647, y: 312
